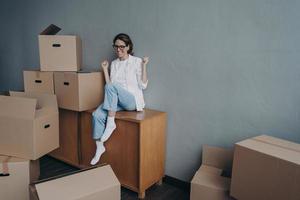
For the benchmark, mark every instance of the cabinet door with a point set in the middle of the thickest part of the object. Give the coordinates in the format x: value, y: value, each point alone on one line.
x: 152, y: 150
x: 68, y: 137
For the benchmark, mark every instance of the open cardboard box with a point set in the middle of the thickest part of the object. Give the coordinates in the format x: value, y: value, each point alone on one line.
x: 79, y: 91
x: 59, y: 52
x: 37, y: 81
x: 28, y: 124
x: 212, y: 180
x: 266, y: 167
x: 15, y: 176
x: 89, y: 184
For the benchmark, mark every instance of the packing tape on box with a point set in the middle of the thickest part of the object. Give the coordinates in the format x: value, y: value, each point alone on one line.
x: 277, y: 145
x: 5, y: 170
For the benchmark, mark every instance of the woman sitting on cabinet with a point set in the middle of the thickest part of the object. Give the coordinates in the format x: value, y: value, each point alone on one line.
x: 123, y: 90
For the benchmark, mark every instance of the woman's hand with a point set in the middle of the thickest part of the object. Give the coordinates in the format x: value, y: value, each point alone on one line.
x: 104, y: 65
x: 145, y: 60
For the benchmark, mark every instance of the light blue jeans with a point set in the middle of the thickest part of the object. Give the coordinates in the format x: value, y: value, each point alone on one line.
x: 116, y: 98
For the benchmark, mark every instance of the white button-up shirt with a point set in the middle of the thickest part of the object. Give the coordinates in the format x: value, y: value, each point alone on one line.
x: 128, y: 73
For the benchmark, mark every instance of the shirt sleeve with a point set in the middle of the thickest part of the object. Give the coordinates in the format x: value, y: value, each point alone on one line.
x: 139, y: 75
x: 112, y: 72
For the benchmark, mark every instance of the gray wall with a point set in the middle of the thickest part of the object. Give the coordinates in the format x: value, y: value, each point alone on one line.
x: 224, y: 70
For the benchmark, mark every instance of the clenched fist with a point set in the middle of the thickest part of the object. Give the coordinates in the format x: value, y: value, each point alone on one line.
x: 104, y: 65
x: 145, y: 60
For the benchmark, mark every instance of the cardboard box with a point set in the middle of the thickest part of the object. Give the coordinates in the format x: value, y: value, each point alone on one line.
x: 90, y: 184
x: 79, y: 91
x: 59, y: 52
x: 209, y: 182
x: 37, y: 81
x: 28, y: 124
x: 15, y: 176
x: 265, y: 167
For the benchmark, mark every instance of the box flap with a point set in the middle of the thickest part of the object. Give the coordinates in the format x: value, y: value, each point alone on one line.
x: 217, y: 157
x: 211, y: 170
x: 45, y: 101
x: 17, y: 107
x: 51, y: 30
x: 277, y: 151
x: 78, y: 185
x: 211, y: 180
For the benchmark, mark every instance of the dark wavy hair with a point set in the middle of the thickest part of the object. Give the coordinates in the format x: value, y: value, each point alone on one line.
x: 126, y: 39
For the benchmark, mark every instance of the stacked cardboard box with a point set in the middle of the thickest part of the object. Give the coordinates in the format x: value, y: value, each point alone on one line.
x: 29, y: 130
x: 59, y: 52
x: 79, y: 91
x: 36, y: 81
x: 15, y: 176
x: 28, y: 124
x: 76, y: 91
x: 60, y: 62
x: 29, y: 121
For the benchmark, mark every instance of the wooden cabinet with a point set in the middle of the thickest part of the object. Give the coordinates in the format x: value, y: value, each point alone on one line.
x: 135, y: 151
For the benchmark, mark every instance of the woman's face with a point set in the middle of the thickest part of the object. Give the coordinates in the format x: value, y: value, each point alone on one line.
x: 121, y: 49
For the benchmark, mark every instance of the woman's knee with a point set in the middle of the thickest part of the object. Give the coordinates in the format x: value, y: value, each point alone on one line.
x: 109, y: 86
x: 130, y: 107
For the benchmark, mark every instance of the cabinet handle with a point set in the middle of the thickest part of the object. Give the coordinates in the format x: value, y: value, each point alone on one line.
x: 47, y: 126
x: 66, y: 83
x: 38, y: 81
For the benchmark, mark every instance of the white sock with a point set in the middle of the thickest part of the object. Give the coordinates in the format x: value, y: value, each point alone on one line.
x: 99, y: 151
x: 110, y: 127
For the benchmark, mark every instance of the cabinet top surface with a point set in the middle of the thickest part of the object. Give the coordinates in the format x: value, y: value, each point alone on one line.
x: 136, y: 116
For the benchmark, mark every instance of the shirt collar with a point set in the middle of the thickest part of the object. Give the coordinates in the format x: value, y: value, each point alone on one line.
x: 130, y: 58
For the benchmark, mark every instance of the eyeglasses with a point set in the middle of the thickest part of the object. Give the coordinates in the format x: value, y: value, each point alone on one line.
x: 121, y: 47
